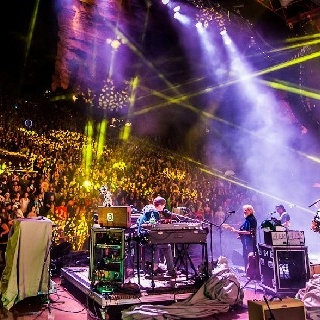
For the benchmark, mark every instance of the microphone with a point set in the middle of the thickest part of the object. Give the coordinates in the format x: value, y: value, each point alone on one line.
x: 231, y: 211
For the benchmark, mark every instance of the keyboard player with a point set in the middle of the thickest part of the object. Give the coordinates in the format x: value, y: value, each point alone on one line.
x: 152, y: 214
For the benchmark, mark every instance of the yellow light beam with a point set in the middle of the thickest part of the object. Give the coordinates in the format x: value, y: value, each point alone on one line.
x: 286, y: 86
x: 31, y: 29
x: 294, y: 46
x: 101, y: 137
x: 125, y: 132
x: 287, y: 64
x: 29, y: 38
x: 311, y: 36
x: 87, y: 149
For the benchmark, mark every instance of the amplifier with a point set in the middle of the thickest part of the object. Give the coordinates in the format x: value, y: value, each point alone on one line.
x: 286, y: 309
x: 115, y: 217
x: 283, y: 238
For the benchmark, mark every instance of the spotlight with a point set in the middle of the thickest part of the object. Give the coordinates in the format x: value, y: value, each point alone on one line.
x: 176, y: 9
x: 165, y: 2
x: 199, y: 25
x: 177, y: 15
x: 223, y: 32
x: 227, y: 40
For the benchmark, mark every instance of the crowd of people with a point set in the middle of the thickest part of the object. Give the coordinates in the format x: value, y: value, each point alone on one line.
x: 46, y: 171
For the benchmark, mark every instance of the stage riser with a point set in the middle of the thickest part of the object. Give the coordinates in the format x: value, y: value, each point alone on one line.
x: 93, y: 308
x: 76, y: 281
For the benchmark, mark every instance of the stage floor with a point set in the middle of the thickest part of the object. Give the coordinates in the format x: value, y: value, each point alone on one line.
x: 164, y: 292
x: 75, y: 300
x: 165, y: 289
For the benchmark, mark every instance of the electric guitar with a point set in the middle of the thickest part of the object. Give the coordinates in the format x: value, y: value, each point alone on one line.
x: 227, y: 226
x: 230, y: 228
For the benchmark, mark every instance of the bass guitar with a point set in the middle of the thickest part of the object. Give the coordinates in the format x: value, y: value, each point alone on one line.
x: 230, y: 228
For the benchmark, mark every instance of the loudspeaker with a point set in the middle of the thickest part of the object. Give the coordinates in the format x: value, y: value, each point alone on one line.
x: 286, y: 309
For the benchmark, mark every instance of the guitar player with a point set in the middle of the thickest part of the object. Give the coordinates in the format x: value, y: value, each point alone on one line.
x: 247, y: 234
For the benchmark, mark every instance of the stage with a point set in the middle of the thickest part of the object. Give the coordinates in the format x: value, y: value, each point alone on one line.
x: 111, y: 301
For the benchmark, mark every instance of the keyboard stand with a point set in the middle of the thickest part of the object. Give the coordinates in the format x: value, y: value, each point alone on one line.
x: 183, y: 259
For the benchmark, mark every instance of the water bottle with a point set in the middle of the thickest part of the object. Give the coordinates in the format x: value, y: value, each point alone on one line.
x: 152, y: 220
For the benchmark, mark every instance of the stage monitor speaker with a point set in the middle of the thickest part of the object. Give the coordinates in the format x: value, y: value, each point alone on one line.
x: 285, y: 309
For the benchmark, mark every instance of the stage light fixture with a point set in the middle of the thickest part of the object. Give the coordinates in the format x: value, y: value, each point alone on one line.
x: 285, y: 3
x: 165, y: 2
x: 199, y: 25
x: 176, y: 9
x: 223, y: 32
x: 177, y: 15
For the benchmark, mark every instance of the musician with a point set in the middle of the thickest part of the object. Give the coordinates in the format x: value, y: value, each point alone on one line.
x: 152, y: 214
x: 284, y: 216
x: 247, y: 233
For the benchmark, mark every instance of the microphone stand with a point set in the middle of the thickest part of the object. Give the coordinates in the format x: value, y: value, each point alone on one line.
x: 271, y: 315
x: 219, y: 227
x: 213, y: 263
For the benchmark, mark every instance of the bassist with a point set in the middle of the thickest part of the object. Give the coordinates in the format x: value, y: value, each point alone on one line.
x: 247, y: 234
